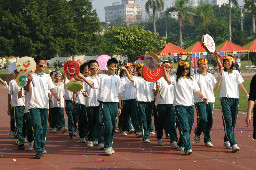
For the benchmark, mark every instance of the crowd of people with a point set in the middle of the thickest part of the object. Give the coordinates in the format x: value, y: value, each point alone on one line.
x: 93, y: 111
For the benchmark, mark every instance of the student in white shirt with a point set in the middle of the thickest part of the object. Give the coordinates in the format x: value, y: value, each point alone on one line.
x: 38, y: 102
x: 207, y: 84
x: 17, y: 101
x: 72, y: 115
x: 129, y: 104
x: 164, y: 94
x: 109, y: 86
x: 144, y: 98
x: 58, y: 108
x: 51, y: 109
x: 231, y: 80
x: 184, y: 88
x: 95, y: 126
x: 79, y: 99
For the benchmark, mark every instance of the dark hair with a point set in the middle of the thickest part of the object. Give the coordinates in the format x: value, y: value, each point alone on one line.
x: 112, y: 61
x: 51, y: 73
x: 137, y: 70
x: 91, y: 62
x: 122, y: 73
x: 82, y: 67
x: 39, y: 58
x: 232, y: 66
x: 179, y: 72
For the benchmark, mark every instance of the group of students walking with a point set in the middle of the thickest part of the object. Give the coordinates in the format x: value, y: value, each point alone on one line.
x: 128, y: 96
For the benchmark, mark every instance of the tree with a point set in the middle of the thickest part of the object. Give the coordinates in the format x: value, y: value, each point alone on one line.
x: 132, y: 41
x: 235, y: 3
x: 204, y: 12
x: 156, y: 6
x: 183, y: 12
x: 250, y: 6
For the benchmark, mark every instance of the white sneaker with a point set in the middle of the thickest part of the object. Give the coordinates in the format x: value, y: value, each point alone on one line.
x: 227, y: 145
x: 182, y: 148
x: 30, y: 146
x: 45, y: 151
x: 235, y: 148
x: 108, y: 151
x: 146, y: 141
x: 197, y: 139
x: 124, y: 133
x: 63, y: 130
x: 188, y: 152
x: 174, y: 145
x: 112, y: 150
x: 138, y: 134
x: 152, y: 133
x: 54, y: 130
x: 89, y: 144
x: 95, y: 142
x: 82, y: 140
x: 159, y: 142
x: 101, y: 146
x: 208, y: 144
x: 25, y: 140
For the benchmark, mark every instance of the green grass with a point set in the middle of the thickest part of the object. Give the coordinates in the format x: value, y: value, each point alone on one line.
x: 242, y: 97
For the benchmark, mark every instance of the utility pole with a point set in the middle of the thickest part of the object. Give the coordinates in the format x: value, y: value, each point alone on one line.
x: 242, y: 19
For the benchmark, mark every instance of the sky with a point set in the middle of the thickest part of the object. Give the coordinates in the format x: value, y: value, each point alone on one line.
x: 100, y: 4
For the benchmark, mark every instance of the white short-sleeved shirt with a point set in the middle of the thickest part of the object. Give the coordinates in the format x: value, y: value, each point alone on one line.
x: 206, y: 84
x: 109, y: 87
x: 144, y: 89
x: 229, y: 84
x: 13, y: 90
x: 38, y: 95
x: 60, y: 92
x: 129, y: 91
x: 184, y: 91
x: 80, y: 99
x: 68, y: 94
x: 166, y: 93
x: 92, y: 100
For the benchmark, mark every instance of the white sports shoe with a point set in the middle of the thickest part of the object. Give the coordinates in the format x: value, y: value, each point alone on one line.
x: 112, y: 150
x: 124, y: 133
x: 227, y: 145
x: 30, y: 146
x: 197, y: 139
x: 159, y: 142
x: 108, y: 151
x: 95, y: 142
x: 82, y: 140
x: 174, y: 145
x: 146, y: 141
x: 89, y: 144
x: 54, y: 130
x: 208, y: 144
x: 235, y: 148
x: 138, y: 134
x: 101, y: 146
x: 188, y: 152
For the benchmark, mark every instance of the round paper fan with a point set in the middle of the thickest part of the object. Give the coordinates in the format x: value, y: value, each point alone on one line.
x: 151, y: 75
x: 75, y: 86
x: 26, y: 65
x: 102, y: 60
x: 208, y: 43
x: 20, y: 79
x: 71, y: 68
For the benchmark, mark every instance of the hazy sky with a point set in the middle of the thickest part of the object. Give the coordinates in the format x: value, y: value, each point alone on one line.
x: 100, y: 4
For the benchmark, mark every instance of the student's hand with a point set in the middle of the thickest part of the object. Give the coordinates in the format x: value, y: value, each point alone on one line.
x: 248, y: 119
x: 205, y: 100
x: 20, y: 94
x: 50, y: 99
x: 119, y: 111
x: 85, y: 93
x: 30, y: 77
x: 123, y: 68
x: 59, y: 100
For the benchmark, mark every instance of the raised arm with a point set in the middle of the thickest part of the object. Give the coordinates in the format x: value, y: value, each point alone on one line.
x: 28, y: 85
x: 129, y: 76
x: 217, y: 55
x: 166, y: 76
x: 89, y: 82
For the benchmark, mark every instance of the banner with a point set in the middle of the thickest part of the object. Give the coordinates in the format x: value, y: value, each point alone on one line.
x: 195, y: 58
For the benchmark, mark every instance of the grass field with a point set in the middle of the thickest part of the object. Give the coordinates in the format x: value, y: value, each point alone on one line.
x: 242, y: 98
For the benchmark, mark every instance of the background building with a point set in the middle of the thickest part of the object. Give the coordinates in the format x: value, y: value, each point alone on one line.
x: 129, y: 11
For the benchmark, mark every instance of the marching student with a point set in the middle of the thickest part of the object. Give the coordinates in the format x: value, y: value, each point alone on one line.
x: 109, y: 86
x: 38, y: 102
x: 184, y: 88
x: 51, y: 108
x: 231, y: 80
x: 166, y: 115
x: 81, y: 109
x: 17, y: 101
x: 129, y: 104
x: 58, y: 120
x: 94, y: 117
x: 207, y: 84
x: 72, y: 115
x: 144, y: 98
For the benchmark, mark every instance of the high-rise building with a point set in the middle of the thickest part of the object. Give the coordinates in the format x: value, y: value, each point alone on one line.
x: 196, y: 3
x: 129, y: 11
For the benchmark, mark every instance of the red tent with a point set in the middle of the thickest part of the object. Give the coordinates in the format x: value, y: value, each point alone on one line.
x: 230, y: 47
x: 196, y: 48
x: 170, y: 49
x: 251, y: 46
